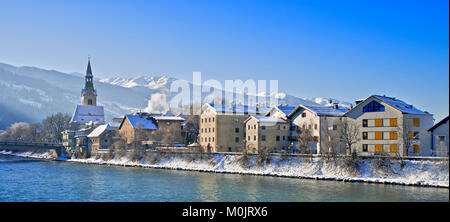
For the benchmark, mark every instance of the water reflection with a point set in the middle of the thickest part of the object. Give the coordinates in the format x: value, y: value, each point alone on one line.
x: 60, y: 181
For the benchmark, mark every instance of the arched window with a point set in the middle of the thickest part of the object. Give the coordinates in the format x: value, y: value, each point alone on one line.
x: 373, y: 106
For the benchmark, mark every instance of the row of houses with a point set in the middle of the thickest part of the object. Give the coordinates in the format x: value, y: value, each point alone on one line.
x: 375, y: 125
x: 380, y: 125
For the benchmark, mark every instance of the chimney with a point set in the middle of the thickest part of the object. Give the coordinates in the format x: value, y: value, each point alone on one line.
x: 330, y: 101
x: 257, y: 107
x: 351, y: 106
x: 336, y: 106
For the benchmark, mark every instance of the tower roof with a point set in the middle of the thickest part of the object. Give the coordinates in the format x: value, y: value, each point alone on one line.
x: 89, y: 70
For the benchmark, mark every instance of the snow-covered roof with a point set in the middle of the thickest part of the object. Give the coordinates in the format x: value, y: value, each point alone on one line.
x: 169, y: 118
x: 223, y: 108
x: 114, y: 124
x: 265, y: 119
x: 286, y: 109
x: 328, y: 110
x: 144, y: 122
x: 99, y: 130
x: 322, y: 110
x: 400, y: 105
x: 86, y: 114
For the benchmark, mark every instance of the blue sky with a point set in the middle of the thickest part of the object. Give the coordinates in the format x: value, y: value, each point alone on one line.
x: 341, y: 49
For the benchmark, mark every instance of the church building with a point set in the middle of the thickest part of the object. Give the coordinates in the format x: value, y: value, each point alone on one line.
x: 88, y: 111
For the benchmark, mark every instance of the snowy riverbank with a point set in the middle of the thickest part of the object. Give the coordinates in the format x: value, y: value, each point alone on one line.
x: 413, y: 172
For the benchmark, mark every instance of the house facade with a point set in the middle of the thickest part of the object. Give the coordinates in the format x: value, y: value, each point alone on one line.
x: 389, y: 126
x: 439, y: 138
x: 222, y: 127
x: 141, y: 127
x: 267, y: 134
x: 101, y: 139
x: 314, y: 129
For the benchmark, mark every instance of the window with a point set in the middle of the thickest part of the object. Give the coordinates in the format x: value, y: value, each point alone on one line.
x: 303, y: 115
x: 365, y: 123
x: 209, y: 139
x: 364, y: 135
x: 393, y: 148
x: 441, y: 138
x: 309, y: 126
x: 393, y: 135
x: 263, y: 127
x: 254, y: 138
x: 365, y: 148
x: 248, y: 138
x: 263, y: 138
x: 248, y: 126
x: 229, y: 149
x: 209, y: 119
x: 284, y: 137
x: 373, y: 106
x: 378, y: 148
x: 90, y: 101
x: 278, y: 127
x: 315, y: 126
x: 379, y: 122
x: 254, y: 126
x: 213, y: 119
x: 378, y: 135
x: 202, y: 120
x: 334, y: 127
x: 411, y: 135
x: 236, y: 130
x: 416, y: 122
x: 236, y: 139
x: 416, y: 148
x: 393, y: 122
x: 213, y: 139
x: 278, y: 138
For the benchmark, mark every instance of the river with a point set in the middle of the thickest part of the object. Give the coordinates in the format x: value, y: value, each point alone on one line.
x: 23, y: 179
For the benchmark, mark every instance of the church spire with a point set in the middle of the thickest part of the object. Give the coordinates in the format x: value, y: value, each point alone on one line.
x: 88, y: 79
x: 89, y: 70
x: 88, y: 93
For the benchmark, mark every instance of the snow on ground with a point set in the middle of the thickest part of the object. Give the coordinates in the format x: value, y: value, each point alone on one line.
x: 37, y: 155
x: 424, y: 172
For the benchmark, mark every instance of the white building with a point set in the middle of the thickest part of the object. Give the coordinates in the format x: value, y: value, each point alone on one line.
x: 321, y: 123
x: 439, y: 138
x: 389, y: 126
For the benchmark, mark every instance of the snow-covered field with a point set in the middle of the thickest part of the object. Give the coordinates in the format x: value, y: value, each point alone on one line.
x: 413, y: 172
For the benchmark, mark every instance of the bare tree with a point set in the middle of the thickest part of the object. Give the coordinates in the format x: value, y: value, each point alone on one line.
x: 330, y: 141
x: 191, y: 129
x: 22, y: 131
x: 349, y: 132
x: 409, y: 136
x: 53, y: 126
x: 304, y: 138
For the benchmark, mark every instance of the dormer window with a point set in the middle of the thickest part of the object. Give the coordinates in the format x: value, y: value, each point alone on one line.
x: 373, y: 106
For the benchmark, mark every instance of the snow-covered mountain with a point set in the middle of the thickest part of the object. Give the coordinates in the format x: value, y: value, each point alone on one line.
x: 143, y: 81
x: 30, y: 94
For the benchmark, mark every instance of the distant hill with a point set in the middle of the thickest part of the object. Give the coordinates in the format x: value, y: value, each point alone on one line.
x: 30, y: 94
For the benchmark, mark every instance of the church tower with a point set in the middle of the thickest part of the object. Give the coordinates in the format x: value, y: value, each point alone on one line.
x: 88, y: 93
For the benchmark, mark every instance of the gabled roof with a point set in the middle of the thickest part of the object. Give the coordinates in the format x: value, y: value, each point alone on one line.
x: 169, y: 118
x: 286, y: 110
x: 85, y: 114
x: 396, y: 104
x: 99, y: 130
x: 322, y: 110
x: 438, y: 124
x: 265, y: 119
x: 141, y: 122
x: 241, y: 109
